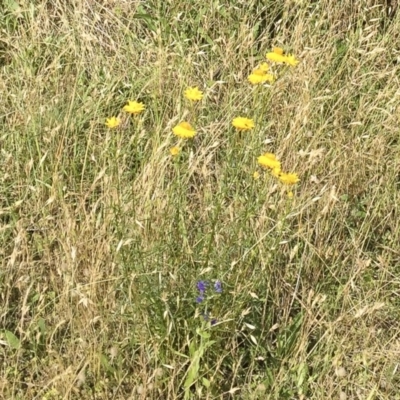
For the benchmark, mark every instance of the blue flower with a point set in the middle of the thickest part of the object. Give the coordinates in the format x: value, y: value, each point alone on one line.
x: 218, y: 286
x: 199, y: 299
x: 201, y: 286
x: 206, y: 317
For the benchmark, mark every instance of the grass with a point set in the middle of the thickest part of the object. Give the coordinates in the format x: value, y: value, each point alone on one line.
x: 104, y: 234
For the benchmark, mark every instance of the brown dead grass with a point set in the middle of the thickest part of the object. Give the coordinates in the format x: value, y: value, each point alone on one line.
x: 104, y: 236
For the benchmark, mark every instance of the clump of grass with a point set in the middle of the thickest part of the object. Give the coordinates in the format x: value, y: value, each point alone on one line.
x: 279, y: 187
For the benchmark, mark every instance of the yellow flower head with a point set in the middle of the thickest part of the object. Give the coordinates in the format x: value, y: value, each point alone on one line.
x: 256, y: 175
x: 291, y: 60
x: 290, y: 195
x: 288, y: 179
x: 133, y: 107
x: 277, y: 50
x: 276, y: 172
x: 275, y: 57
x: 268, y: 160
x: 193, y: 94
x: 174, y: 151
x: 112, y: 122
x: 184, y: 130
x: 259, y: 76
x: 243, y: 124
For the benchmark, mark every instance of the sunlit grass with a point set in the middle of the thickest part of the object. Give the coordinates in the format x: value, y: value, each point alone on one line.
x: 172, y: 228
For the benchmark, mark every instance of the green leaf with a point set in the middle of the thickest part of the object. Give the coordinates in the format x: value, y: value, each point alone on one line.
x: 192, y: 374
x: 206, y: 382
x: 146, y: 18
x: 302, y: 376
x: 203, y: 334
x: 106, y: 364
x: 12, y: 5
x: 42, y: 326
x: 12, y: 340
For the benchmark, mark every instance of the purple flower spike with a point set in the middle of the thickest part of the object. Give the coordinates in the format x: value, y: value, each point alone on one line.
x: 201, y: 286
x: 206, y: 317
x: 218, y: 286
x: 199, y: 299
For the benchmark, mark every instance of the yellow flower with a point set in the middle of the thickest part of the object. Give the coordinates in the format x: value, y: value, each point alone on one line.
x: 174, y: 151
x: 243, y: 124
x: 277, y: 50
x: 184, y: 130
x: 193, y: 94
x: 264, y: 67
x: 268, y: 160
x: 259, y: 76
x: 256, y: 175
x: 291, y: 60
x: 276, y: 172
x: 112, y: 122
x: 288, y: 179
x: 133, y: 107
x: 290, y: 195
x: 275, y: 57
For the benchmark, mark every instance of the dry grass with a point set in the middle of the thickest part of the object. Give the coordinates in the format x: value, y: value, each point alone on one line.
x: 104, y: 235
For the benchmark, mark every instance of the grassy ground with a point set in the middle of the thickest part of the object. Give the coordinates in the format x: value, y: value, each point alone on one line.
x: 104, y: 235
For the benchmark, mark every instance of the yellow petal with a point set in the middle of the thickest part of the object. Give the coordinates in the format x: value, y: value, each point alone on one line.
x: 288, y: 179
x: 277, y: 50
x: 291, y: 60
x: 275, y: 57
x: 193, y: 94
x: 174, y: 151
x: 268, y: 160
x: 134, y: 107
x: 242, y: 123
x: 184, y: 130
x: 112, y: 122
x: 257, y: 77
